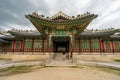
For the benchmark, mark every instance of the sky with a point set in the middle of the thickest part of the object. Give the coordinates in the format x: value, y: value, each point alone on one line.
x: 12, y: 12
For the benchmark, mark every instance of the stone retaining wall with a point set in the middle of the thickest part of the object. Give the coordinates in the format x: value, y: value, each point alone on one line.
x: 101, y: 58
x: 25, y: 57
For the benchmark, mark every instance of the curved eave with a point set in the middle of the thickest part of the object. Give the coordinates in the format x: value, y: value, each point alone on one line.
x: 97, y: 34
x: 8, y: 37
x: 3, y: 41
x: 25, y: 34
x: 115, y: 37
x: 74, y: 22
x: 22, y: 35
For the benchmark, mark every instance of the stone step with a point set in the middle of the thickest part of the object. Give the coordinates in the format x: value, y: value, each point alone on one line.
x: 58, y: 56
x: 58, y: 63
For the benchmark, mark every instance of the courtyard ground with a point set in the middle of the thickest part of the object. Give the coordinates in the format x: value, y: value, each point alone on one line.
x: 64, y: 73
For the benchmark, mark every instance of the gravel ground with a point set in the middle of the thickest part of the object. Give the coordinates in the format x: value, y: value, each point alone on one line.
x: 64, y: 73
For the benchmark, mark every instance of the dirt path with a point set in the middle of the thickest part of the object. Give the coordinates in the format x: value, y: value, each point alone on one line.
x: 64, y: 73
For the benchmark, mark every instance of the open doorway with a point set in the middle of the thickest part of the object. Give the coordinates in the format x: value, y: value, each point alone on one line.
x: 61, y: 46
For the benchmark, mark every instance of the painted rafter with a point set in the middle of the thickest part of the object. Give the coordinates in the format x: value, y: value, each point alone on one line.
x: 78, y: 24
x: 60, y: 13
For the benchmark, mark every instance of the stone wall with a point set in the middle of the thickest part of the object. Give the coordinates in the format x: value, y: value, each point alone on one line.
x: 28, y: 57
x: 101, y: 58
x: 25, y: 57
x: 6, y: 56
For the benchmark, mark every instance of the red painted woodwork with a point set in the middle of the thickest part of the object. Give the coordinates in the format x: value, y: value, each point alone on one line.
x: 32, y: 45
x: 90, y: 45
x: 100, y: 44
x: 73, y: 46
x: 112, y: 46
x: 48, y: 42
x: 104, y: 46
x: 23, y: 45
x: 13, y: 46
x: 43, y: 45
x: 80, y: 45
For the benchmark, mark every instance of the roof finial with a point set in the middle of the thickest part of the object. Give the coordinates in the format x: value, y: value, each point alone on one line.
x: 60, y: 11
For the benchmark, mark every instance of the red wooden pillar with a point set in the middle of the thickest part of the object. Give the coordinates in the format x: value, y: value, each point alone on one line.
x: 43, y: 45
x: 32, y: 45
x: 48, y: 36
x: 3, y: 47
x: 23, y: 45
x: 80, y: 46
x: 112, y: 46
x: 73, y: 46
x: 6, y: 47
x: 100, y: 44
x: 90, y: 42
x: 104, y: 44
x: 119, y: 44
x: 13, y: 46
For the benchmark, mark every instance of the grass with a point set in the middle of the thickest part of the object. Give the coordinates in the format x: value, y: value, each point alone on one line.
x: 117, y: 60
x: 24, y: 69
x: 5, y: 59
x: 16, y: 70
x: 77, y: 67
x: 109, y: 70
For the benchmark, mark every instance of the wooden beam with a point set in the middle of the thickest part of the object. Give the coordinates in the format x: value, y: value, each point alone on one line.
x: 32, y: 45
x: 100, y: 45
x: 90, y: 42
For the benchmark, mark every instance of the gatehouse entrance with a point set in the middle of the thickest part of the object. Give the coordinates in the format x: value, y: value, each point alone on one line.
x: 61, y: 46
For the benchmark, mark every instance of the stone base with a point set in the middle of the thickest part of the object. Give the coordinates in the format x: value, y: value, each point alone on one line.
x: 100, y: 58
x: 25, y: 57
x: 48, y: 56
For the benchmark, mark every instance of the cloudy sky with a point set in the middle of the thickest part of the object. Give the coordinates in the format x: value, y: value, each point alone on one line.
x: 12, y: 11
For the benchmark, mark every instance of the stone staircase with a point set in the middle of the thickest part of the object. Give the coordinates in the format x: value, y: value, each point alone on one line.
x: 58, y: 59
x: 58, y: 56
x: 58, y: 63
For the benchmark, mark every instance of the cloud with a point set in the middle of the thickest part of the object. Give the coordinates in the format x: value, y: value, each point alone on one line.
x: 12, y: 11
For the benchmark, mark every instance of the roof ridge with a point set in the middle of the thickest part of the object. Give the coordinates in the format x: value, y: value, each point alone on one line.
x: 60, y: 13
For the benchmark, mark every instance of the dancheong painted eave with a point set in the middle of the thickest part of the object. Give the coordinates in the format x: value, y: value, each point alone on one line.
x: 61, y: 20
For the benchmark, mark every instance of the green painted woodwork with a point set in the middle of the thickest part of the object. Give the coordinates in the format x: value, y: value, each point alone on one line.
x: 37, y: 44
x: 45, y: 44
x: 46, y: 26
x: 107, y: 44
x: 17, y: 44
x: 76, y: 43
x: 70, y: 23
x: 60, y: 31
x: 116, y: 44
x: 28, y: 44
x: 10, y: 45
x: 95, y: 44
x: 60, y: 38
x: 85, y: 44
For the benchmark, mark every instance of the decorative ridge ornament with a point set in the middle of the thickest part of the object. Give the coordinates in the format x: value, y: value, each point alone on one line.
x: 46, y: 25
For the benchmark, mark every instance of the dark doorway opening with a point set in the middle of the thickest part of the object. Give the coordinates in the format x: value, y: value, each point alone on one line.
x: 61, y: 46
